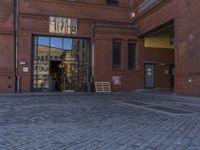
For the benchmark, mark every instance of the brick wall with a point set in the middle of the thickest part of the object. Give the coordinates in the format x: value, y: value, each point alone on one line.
x: 130, y: 79
x: 34, y: 19
x: 187, y: 32
x: 7, y: 74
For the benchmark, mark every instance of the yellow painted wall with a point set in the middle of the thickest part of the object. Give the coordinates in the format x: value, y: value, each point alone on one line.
x: 160, y: 40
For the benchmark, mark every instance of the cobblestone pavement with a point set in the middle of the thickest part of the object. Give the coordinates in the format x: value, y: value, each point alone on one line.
x: 115, y: 121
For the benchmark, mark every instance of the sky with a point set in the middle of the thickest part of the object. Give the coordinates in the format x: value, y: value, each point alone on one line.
x: 55, y: 42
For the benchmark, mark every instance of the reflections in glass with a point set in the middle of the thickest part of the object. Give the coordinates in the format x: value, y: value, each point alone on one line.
x: 41, y: 75
x: 60, y: 63
x: 56, y: 46
x: 67, y: 44
x: 74, y: 75
x: 77, y: 48
x: 70, y: 76
x: 43, y: 48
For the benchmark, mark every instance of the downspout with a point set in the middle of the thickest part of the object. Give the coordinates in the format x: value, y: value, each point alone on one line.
x: 92, y: 49
x: 16, y: 44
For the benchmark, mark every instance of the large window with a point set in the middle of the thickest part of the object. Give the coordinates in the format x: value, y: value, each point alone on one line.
x: 116, y: 55
x: 131, y: 55
x: 60, y: 63
x: 112, y: 2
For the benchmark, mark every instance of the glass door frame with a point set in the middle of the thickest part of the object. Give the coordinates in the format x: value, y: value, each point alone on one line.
x: 35, y: 45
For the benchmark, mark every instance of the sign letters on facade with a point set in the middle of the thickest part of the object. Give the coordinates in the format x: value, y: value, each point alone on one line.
x: 62, y: 25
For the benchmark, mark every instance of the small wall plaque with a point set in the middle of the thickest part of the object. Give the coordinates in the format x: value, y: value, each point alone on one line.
x: 25, y: 69
x: 22, y: 63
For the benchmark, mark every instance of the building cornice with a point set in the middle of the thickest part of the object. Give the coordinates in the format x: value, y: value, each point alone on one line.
x: 152, y: 8
x: 84, y: 4
x: 46, y: 17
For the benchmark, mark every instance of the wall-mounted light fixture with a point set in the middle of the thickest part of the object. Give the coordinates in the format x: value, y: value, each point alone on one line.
x: 132, y: 15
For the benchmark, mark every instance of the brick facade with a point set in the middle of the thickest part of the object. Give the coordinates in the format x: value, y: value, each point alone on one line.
x: 7, y: 73
x: 187, y: 32
x: 34, y: 20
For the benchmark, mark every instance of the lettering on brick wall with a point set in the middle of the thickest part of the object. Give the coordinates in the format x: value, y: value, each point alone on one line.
x: 62, y: 25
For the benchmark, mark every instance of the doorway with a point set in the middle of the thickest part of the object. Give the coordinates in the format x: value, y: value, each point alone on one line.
x: 55, y: 73
x: 149, y: 75
x: 159, y: 48
x: 64, y: 75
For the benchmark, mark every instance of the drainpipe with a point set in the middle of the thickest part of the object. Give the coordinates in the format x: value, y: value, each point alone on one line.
x: 107, y: 25
x: 92, y: 49
x: 16, y: 44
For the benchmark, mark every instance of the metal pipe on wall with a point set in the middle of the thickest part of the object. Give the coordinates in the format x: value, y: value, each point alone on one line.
x: 16, y: 44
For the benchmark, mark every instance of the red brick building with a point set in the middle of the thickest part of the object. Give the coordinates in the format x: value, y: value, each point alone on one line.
x: 183, y: 18
x: 63, y: 44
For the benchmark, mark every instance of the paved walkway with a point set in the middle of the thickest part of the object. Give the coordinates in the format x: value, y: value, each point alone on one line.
x: 116, y: 121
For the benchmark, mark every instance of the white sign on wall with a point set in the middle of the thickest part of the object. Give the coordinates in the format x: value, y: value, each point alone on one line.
x: 116, y: 80
x: 25, y: 69
x: 62, y: 25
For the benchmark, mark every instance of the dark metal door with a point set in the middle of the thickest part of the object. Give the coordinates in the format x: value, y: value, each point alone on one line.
x: 149, y: 76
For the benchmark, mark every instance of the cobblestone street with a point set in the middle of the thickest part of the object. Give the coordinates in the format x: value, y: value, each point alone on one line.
x: 115, y: 121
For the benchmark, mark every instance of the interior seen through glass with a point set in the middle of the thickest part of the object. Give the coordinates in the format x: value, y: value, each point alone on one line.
x: 60, y: 64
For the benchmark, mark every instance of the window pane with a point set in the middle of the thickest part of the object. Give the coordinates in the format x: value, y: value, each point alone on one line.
x: 56, y: 46
x: 67, y: 44
x: 35, y: 49
x: 131, y: 55
x: 116, y: 55
x: 35, y: 71
x: 43, y: 47
x: 81, y: 50
x: 75, y: 49
x: 69, y: 58
x: 112, y: 2
x: 42, y: 81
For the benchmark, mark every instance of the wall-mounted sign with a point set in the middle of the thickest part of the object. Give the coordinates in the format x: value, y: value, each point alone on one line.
x: 62, y: 25
x: 149, y: 73
x: 25, y: 69
x: 149, y: 69
x: 166, y: 71
x: 22, y: 63
x: 116, y: 80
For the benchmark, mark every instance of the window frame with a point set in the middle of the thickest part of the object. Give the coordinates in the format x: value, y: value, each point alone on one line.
x: 112, y: 2
x: 131, y: 56
x: 116, y: 64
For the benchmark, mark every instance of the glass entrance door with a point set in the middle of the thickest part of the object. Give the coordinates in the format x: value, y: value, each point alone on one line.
x: 70, y: 76
x: 55, y: 74
x: 75, y: 75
